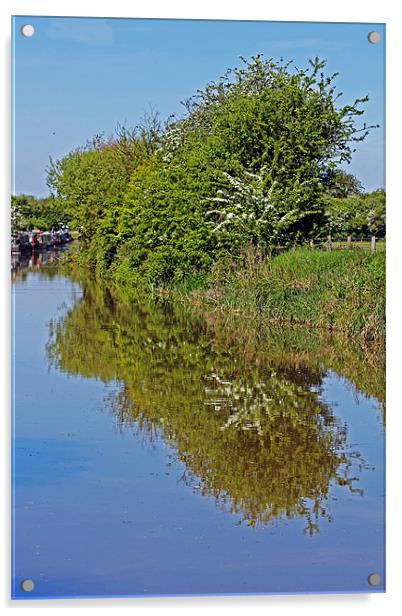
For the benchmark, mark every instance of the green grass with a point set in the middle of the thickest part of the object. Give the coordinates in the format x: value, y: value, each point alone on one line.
x: 340, y: 290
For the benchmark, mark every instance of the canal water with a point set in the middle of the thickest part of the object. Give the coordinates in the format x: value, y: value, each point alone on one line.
x: 157, y: 451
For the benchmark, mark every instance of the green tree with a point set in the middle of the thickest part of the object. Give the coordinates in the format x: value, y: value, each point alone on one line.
x: 28, y: 212
x: 87, y: 182
x: 341, y: 184
x: 16, y: 214
x: 357, y: 214
x: 264, y: 142
x: 263, y: 135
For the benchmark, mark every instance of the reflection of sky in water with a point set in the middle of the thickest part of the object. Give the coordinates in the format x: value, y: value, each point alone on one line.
x: 363, y: 421
x: 101, y: 511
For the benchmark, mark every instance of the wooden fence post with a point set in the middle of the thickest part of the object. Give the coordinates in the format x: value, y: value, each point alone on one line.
x: 349, y: 241
x: 311, y: 243
x: 329, y: 243
x: 373, y: 240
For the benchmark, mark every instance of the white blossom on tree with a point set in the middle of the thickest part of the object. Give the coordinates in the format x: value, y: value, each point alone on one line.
x: 245, y: 208
x: 16, y: 215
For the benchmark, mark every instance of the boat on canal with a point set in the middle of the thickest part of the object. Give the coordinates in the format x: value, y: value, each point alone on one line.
x: 20, y: 243
x: 36, y: 240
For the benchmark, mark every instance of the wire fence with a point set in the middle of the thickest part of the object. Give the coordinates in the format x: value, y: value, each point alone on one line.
x: 356, y: 242
x: 371, y: 243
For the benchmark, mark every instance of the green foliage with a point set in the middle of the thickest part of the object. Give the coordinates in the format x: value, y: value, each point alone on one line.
x: 343, y: 290
x: 89, y: 181
x: 85, y: 181
x: 248, y: 163
x: 356, y: 215
x: 27, y: 213
x: 341, y: 184
x: 259, y: 143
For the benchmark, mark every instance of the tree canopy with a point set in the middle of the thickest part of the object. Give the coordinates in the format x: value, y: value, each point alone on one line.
x: 254, y: 160
x: 356, y: 214
x: 28, y: 212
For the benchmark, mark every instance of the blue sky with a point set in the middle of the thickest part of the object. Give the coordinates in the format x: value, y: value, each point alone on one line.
x: 77, y: 77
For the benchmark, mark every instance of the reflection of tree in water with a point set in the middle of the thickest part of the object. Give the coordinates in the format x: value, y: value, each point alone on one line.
x: 262, y: 445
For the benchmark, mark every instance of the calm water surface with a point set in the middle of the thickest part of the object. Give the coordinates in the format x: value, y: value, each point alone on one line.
x: 160, y: 452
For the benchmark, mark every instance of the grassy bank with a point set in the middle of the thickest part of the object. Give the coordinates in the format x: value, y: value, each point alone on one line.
x: 106, y: 325
x: 339, y: 290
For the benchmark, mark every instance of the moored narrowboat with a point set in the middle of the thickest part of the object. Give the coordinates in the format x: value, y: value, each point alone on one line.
x: 36, y: 241
x: 47, y: 240
x: 20, y: 243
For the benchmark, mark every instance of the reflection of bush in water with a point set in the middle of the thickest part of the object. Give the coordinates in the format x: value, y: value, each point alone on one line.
x: 299, y: 352
x: 262, y: 445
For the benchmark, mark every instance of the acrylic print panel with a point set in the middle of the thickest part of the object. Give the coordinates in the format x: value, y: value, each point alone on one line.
x: 198, y: 293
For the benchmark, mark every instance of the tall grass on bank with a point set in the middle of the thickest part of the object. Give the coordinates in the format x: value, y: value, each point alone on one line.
x: 339, y: 290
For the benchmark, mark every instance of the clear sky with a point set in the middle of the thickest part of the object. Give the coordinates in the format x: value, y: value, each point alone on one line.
x: 77, y: 77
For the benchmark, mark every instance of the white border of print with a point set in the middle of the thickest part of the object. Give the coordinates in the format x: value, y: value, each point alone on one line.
x: 309, y: 10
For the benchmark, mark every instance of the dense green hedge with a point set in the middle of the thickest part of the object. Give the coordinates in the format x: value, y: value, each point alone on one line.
x: 255, y: 160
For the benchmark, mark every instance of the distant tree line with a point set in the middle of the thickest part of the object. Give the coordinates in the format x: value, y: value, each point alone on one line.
x: 255, y: 159
x: 356, y: 214
x: 28, y: 212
